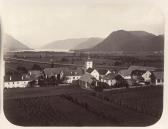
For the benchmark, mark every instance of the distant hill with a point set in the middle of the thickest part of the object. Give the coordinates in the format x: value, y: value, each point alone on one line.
x: 122, y: 40
x: 11, y: 44
x: 89, y: 43
x: 66, y: 44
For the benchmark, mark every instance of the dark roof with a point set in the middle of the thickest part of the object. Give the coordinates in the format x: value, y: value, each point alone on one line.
x: 158, y: 74
x: 17, y: 77
x: 143, y: 68
x: 126, y: 72
x: 89, y: 70
x: 87, y: 78
x: 35, y: 72
x: 54, y: 71
x: 110, y: 76
x: 74, y: 72
x: 66, y: 71
x: 102, y: 71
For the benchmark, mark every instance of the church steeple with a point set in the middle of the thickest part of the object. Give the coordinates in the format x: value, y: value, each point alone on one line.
x: 89, y: 62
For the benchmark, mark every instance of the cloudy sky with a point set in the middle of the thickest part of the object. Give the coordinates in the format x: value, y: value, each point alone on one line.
x: 38, y: 22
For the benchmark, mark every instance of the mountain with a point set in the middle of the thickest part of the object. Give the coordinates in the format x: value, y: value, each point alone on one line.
x: 11, y: 44
x: 89, y: 43
x: 66, y: 44
x: 122, y: 40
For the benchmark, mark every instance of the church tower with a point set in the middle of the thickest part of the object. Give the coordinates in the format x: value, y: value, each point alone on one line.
x: 89, y: 63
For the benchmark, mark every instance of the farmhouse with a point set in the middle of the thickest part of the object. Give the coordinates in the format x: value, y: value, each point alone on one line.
x: 54, y: 72
x: 68, y: 75
x: 16, y: 81
x: 109, y: 79
x: 73, y: 75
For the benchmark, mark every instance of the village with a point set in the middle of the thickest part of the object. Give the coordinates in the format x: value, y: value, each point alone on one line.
x: 88, y: 77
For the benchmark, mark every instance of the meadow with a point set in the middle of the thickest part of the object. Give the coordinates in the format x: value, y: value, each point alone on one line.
x: 71, y: 106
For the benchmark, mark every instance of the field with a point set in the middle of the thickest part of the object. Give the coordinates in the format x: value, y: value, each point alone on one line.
x: 110, y: 61
x: 70, y: 106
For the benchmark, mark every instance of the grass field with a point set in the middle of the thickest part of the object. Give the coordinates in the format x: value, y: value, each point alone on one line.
x: 69, y: 106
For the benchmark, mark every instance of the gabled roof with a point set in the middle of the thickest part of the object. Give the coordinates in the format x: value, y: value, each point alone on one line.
x: 102, y: 71
x: 35, y: 72
x: 74, y: 72
x: 66, y: 71
x: 158, y: 74
x: 16, y: 77
x: 89, y: 70
x: 143, y: 68
x: 87, y: 78
x: 54, y: 71
x: 125, y: 72
x: 110, y: 76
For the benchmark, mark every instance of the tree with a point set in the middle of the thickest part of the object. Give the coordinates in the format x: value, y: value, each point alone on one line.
x: 36, y: 67
x: 22, y: 69
x: 121, y: 82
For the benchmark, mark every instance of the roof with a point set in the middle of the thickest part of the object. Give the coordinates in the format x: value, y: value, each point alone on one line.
x: 53, y: 71
x: 144, y: 68
x: 125, y: 72
x: 89, y: 70
x: 87, y: 78
x: 16, y: 77
x: 35, y: 72
x: 110, y: 76
x: 66, y: 71
x: 102, y: 71
x: 74, y: 72
x: 158, y: 74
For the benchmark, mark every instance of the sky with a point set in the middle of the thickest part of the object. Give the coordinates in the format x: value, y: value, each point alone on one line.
x: 38, y: 22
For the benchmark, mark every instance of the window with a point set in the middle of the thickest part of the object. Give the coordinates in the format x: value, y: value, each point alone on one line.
x: 158, y: 80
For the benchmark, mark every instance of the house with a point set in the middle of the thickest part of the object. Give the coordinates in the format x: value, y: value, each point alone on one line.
x: 16, y: 81
x: 137, y: 74
x: 93, y: 72
x: 73, y: 75
x: 147, y: 76
x: 58, y: 73
x: 158, y: 78
x: 109, y: 79
x: 87, y: 81
x: 35, y: 73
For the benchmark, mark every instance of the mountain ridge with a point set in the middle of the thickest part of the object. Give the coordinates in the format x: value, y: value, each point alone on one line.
x: 122, y: 40
x: 12, y: 44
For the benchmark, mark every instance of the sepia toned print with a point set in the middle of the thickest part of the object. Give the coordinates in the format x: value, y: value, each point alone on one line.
x: 78, y: 63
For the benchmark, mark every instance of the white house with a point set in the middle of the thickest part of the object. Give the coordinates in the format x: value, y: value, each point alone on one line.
x: 73, y: 75
x: 15, y: 81
x: 147, y: 76
x: 93, y: 72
